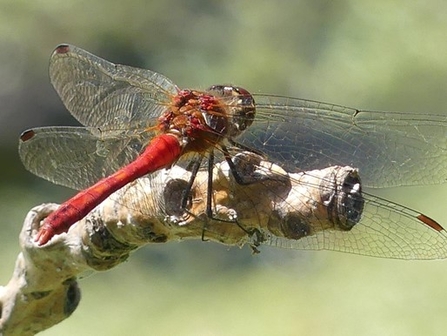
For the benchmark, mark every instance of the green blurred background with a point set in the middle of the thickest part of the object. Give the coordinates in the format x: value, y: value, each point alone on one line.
x: 385, y: 55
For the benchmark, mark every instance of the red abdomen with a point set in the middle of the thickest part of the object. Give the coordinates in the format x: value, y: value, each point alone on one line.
x: 161, y: 152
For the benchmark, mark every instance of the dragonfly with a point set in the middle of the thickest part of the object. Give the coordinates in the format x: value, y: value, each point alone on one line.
x: 137, y: 122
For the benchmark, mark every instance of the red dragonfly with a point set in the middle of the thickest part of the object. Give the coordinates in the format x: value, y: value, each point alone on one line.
x: 138, y: 122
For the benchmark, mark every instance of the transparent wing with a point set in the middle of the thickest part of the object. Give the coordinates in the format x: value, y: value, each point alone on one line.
x: 386, y: 230
x: 99, y: 93
x: 389, y: 148
x: 78, y: 157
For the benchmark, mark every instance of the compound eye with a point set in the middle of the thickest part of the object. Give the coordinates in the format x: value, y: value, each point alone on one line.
x: 217, y: 90
x: 241, y: 91
x: 225, y: 90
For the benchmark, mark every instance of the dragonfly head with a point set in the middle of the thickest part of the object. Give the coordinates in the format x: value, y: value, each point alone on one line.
x: 240, y: 104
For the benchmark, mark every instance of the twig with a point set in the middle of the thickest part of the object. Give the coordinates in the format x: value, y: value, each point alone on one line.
x: 43, y: 289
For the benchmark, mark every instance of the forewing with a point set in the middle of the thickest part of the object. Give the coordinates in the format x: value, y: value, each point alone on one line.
x: 388, y: 148
x: 99, y: 93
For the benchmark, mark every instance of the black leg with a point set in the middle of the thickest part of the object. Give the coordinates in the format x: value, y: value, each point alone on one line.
x: 195, y: 168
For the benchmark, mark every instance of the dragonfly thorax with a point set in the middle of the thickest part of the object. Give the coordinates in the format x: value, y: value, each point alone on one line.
x: 198, y: 118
